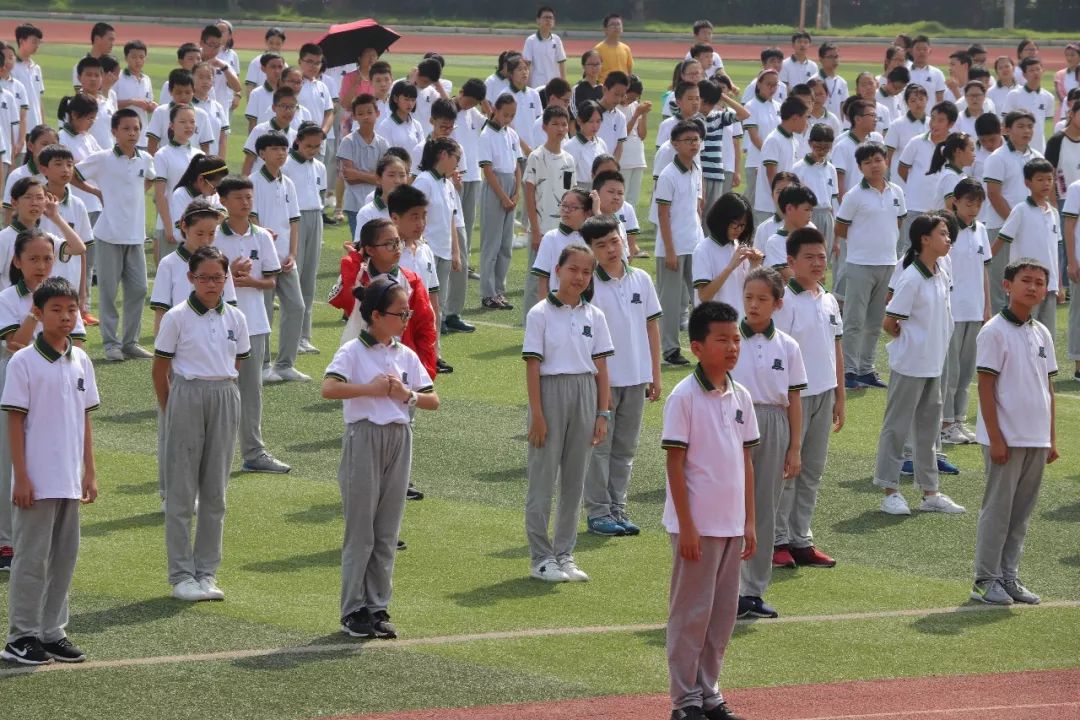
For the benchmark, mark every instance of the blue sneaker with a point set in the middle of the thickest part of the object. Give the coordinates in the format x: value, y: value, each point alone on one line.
x: 907, y: 469
x: 945, y: 467
x: 852, y: 383
x: 627, y: 524
x: 871, y: 379
x: 606, y: 525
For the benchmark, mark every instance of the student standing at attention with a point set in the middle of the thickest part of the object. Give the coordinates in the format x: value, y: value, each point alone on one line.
x: 198, y: 352
x: 628, y: 300
x: 499, y: 153
x: 308, y: 174
x: 544, y: 50
x: 565, y: 351
x: 1017, y: 429
x: 614, y: 54
x: 709, y: 430
x: 48, y: 394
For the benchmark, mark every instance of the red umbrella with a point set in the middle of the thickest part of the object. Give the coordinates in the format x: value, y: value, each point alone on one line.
x: 342, y: 44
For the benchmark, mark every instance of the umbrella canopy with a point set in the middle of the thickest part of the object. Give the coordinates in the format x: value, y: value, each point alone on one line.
x: 343, y: 43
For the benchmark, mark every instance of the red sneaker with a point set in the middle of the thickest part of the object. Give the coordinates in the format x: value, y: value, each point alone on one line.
x: 88, y: 319
x: 781, y: 557
x: 811, y: 556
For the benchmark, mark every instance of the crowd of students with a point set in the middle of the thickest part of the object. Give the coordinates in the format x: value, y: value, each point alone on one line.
x: 940, y: 226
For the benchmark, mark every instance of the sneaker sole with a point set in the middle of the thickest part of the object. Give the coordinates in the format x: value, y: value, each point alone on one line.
x: 630, y: 533
x: 979, y: 598
x: 360, y: 636
x: 548, y: 578
x: 12, y: 657
x: 943, y: 511
x: 70, y: 660
x: 761, y: 616
x: 617, y: 533
x: 247, y: 469
x: 900, y: 513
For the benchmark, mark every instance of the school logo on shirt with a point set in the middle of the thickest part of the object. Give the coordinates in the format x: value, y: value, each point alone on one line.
x: 777, y: 364
x: 587, y: 331
x: 81, y: 385
x: 142, y: 172
x: 254, y: 254
x: 980, y: 251
x: 635, y: 299
x: 231, y: 337
x: 828, y: 181
x: 404, y: 378
x: 896, y: 202
x: 832, y: 319
x: 738, y: 417
x: 1042, y: 351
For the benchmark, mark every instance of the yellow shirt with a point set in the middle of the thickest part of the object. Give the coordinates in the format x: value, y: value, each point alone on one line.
x: 614, y: 58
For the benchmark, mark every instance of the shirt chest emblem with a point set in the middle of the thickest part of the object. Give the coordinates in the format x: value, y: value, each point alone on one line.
x: 1042, y: 351
x: 404, y: 378
x: 739, y: 417
x: 586, y: 331
x: 635, y: 299
x: 231, y: 337
x: 832, y: 319
x: 254, y: 254
x: 777, y: 364
x: 80, y: 385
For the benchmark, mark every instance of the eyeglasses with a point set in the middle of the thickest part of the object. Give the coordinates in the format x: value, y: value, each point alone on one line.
x: 289, y: 106
x: 570, y: 208
x: 211, y: 279
x: 593, y: 64
x: 404, y: 314
x: 690, y: 140
x: 311, y: 61
x: 395, y: 245
x: 832, y: 57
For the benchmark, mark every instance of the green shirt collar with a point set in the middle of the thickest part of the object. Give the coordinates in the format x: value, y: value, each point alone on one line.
x: 20, y: 287
x: 795, y: 287
x: 605, y: 276
x: 705, y: 383
x: 921, y: 267
x: 682, y: 168
x: 48, y: 352
x: 554, y: 300
x: 266, y: 174
x: 200, y: 309
x: 748, y: 332
x: 297, y: 157
x: 1011, y: 317
x: 182, y: 252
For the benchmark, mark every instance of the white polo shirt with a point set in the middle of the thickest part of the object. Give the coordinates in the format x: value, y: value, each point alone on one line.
x: 714, y: 427
x: 547, y: 256
x: 219, y: 121
x: 159, y: 125
x: 780, y: 150
x: 171, y: 284
x: 1021, y: 355
x: 843, y: 157
x: 181, y: 197
x: 813, y: 318
x: 121, y: 181
x: 364, y: 359
x: 496, y: 85
x: 425, y: 98
x: 467, y: 132
x: 82, y: 146
x: 421, y: 261
x: 1039, y: 103
x: 544, y: 56
x: 308, y: 178
x: 709, y: 260
x: 15, y: 304
x: 135, y: 87
x: 400, y: 133
x: 376, y: 209
x: 836, y: 89
x: 316, y: 97
x: 770, y: 365
x: 794, y: 72
x: 628, y: 303
x: 895, y: 103
x: 499, y: 148
x: 364, y: 156
x: 443, y: 214
x: 203, y: 343
x: 931, y: 78
x: 871, y: 217
x: 28, y: 169
x: 664, y: 155
x: 945, y: 181
x: 584, y: 152
x: 820, y: 178
x: 74, y: 214
x: 766, y: 230
x: 1071, y: 210
x: 1005, y: 166
x: 29, y: 74
x: 917, y: 156
x: 102, y: 127
x: 552, y: 174
x: 969, y: 257
x: 680, y: 188
x: 259, y: 101
x: 901, y: 132
x: 566, y: 339
x: 276, y: 207
x: 529, y: 109
x: 765, y: 117
x: 170, y: 163
x: 54, y: 392
x: 257, y: 132
x: 257, y: 245
x: 921, y: 302
x: 612, y: 128
x: 1033, y: 231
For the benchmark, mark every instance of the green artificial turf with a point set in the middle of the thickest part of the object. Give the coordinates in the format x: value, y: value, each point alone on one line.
x: 466, y: 568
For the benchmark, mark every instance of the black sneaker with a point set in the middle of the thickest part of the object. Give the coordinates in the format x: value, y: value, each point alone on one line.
x: 442, y: 367
x: 380, y: 621
x: 721, y: 712
x: 491, y: 303
x: 63, y: 650
x: 675, y: 357
x: 454, y: 323
x: 757, y: 608
x: 330, y: 220
x: 693, y: 712
x: 746, y: 606
x: 401, y: 545
x: 26, y: 651
x: 871, y: 379
x: 357, y: 624
x: 7, y: 555
x: 413, y: 493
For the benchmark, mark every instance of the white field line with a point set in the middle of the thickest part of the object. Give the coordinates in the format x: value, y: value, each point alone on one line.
x: 944, y: 711
x: 359, y: 646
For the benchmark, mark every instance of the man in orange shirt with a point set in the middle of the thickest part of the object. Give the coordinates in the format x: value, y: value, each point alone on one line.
x: 614, y: 54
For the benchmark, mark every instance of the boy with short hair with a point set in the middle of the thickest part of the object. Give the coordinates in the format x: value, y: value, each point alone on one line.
x: 1033, y: 230
x: 676, y: 210
x: 909, y: 125
x: 544, y: 50
x: 778, y: 153
x: 613, y: 123
x: 467, y: 127
x: 796, y: 204
x: 102, y: 39
x: 1006, y: 187
x: 703, y: 33
x: 817, y: 173
x: 276, y: 206
x: 135, y: 89
x: 57, y: 164
x: 688, y: 102
x: 798, y: 67
x: 959, y: 68
x: 121, y: 177
x: 275, y: 41
x: 868, y: 223
x: 48, y: 392
x: 27, y: 42
x: 713, y: 533
x: 1017, y: 429
x: 285, y: 104
x: 863, y: 118
x: 914, y: 163
x: 628, y: 300
x: 317, y: 98
x: 188, y: 56
x: 358, y: 153
x: 1031, y: 97
x: 614, y: 54
x: 717, y: 120
x: 261, y: 97
x: 183, y: 92
x: 891, y: 91
x: 836, y: 87
x: 17, y: 131
x: 922, y: 72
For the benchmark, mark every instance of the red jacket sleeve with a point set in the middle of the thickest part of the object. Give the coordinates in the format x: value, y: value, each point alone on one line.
x: 420, y: 332
x: 344, y: 300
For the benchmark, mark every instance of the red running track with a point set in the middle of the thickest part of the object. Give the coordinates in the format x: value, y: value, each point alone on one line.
x: 1037, y: 695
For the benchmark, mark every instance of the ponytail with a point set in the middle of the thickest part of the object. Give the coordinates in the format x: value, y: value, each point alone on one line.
x: 208, y: 167
x: 921, y: 227
x: 946, y: 150
x: 78, y: 105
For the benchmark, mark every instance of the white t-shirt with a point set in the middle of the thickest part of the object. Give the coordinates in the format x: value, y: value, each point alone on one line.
x: 566, y: 339
x: 203, y: 343
x: 770, y: 365
x: 121, y: 180
x: 921, y: 302
x: 363, y: 359
x: 257, y: 245
x: 628, y: 303
x: 813, y: 318
x: 544, y: 56
x: 680, y: 188
x: 871, y: 217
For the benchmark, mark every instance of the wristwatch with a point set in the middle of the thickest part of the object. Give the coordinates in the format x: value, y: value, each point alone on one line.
x: 411, y: 402
x: 606, y: 414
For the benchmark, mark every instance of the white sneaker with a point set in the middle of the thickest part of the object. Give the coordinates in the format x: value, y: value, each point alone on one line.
x: 210, y: 588
x: 291, y: 374
x: 572, y: 571
x: 306, y: 348
x: 940, y: 503
x: 520, y: 241
x: 971, y: 436
x: 270, y: 376
x: 953, y: 435
x: 895, y: 504
x: 549, y: 571
x: 189, y: 591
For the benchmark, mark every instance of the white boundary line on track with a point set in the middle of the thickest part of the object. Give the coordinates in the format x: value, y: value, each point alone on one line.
x: 355, y: 647
x: 943, y: 711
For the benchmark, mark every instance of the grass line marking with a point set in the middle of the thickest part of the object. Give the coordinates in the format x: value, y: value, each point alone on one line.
x: 945, y: 711
x: 358, y: 646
